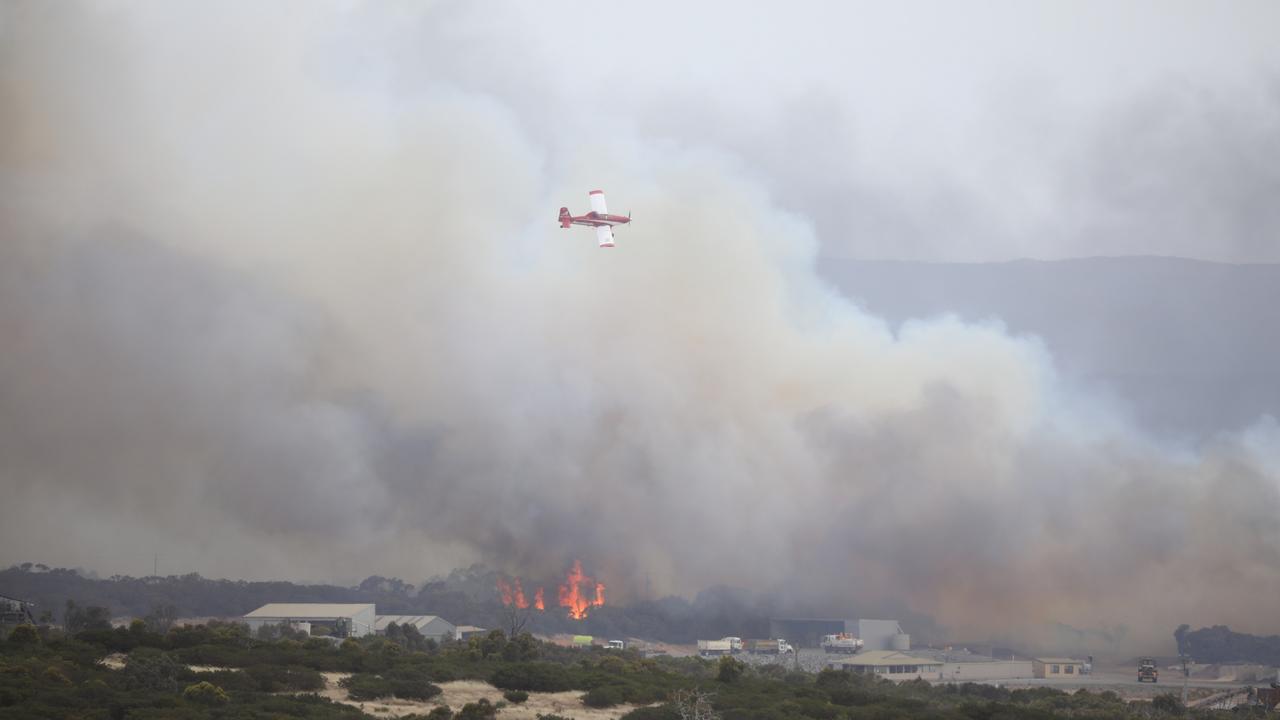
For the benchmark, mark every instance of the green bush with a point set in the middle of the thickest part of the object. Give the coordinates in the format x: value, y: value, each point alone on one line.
x: 205, y: 693
x: 533, y: 677
x: 25, y: 634
x: 284, y: 678
x: 516, y: 696
x: 150, y: 669
x: 479, y: 710
x: 604, y: 696
x: 653, y: 712
x: 366, y: 686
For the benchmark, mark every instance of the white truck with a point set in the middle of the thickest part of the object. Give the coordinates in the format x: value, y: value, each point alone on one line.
x: 769, y: 647
x: 841, y: 643
x: 723, y: 646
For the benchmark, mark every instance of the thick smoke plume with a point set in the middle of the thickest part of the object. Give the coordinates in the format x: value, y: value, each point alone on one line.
x: 282, y: 294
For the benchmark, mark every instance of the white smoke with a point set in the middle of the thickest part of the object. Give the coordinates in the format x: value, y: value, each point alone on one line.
x: 282, y: 294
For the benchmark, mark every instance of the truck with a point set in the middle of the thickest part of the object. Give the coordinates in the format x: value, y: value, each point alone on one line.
x: 723, y: 646
x: 841, y: 643
x: 616, y: 645
x: 1147, y: 670
x: 768, y: 647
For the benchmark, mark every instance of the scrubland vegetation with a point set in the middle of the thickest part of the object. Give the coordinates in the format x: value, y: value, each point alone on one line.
x: 45, y: 673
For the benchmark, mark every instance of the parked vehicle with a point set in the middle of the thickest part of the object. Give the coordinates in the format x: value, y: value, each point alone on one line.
x: 768, y: 647
x: 841, y: 643
x: 616, y: 645
x: 1147, y: 670
x: 723, y: 646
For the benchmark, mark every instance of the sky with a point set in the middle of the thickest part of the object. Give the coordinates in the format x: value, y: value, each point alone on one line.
x: 282, y: 296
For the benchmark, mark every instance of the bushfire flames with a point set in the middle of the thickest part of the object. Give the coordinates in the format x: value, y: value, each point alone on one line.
x: 578, y: 593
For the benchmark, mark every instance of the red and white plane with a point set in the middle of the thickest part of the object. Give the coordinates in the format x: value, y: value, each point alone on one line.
x: 599, y: 218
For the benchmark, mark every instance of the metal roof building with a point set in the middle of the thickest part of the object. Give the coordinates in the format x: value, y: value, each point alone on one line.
x: 344, y: 619
x: 890, y: 664
x: 431, y: 626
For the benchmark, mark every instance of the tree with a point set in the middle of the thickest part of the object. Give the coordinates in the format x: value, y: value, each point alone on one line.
x: 515, y: 618
x: 161, y: 618
x: 205, y: 693
x: 730, y: 669
x: 78, y: 619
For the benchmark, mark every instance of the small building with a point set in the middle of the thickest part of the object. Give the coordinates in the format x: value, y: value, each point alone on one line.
x: 341, y: 619
x: 430, y: 626
x: 1051, y: 667
x: 466, y: 632
x: 890, y: 664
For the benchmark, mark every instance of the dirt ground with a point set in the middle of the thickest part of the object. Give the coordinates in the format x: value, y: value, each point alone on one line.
x: 460, y: 692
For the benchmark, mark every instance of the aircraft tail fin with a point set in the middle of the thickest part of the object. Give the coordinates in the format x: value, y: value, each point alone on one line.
x: 565, y: 219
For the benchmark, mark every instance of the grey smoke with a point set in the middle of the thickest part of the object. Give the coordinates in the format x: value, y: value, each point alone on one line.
x: 281, y: 294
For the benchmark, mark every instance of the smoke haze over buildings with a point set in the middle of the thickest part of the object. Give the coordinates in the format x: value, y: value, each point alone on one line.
x: 282, y: 294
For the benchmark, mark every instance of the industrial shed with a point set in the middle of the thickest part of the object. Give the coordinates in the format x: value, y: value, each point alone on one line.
x: 431, y: 626
x: 343, y: 619
x: 891, y: 665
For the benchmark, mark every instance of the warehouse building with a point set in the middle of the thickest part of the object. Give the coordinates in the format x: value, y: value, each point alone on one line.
x: 430, y: 626
x: 338, y: 619
x: 1051, y: 667
x: 891, y: 665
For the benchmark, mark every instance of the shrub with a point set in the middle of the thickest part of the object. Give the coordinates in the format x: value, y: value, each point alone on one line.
x: 730, y: 669
x: 150, y: 669
x: 604, y: 696
x: 516, y: 696
x: 53, y: 674
x: 25, y: 634
x: 278, y: 678
x: 364, y: 686
x: 1167, y: 703
x: 533, y: 677
x: 653, y: 712
x: 205, y: 693
x: 480, y: 710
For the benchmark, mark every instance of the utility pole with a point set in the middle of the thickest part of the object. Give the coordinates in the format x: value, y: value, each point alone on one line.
x: 1186, y: 672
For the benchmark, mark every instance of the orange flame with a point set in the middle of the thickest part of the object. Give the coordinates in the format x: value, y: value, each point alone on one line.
x: 572, y: 596
x: 537, y: 600
x: 512, y: 593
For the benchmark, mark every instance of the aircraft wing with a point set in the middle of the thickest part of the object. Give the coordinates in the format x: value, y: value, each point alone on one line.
x: 597, y: 202
x: 604, y: 235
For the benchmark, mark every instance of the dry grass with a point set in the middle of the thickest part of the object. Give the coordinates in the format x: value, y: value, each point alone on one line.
x: 460, y: 692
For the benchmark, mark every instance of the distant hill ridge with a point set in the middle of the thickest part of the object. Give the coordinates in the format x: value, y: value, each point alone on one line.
x: 1188, y: 347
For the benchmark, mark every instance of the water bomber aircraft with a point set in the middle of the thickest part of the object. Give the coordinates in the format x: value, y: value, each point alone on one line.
x: 599, y: 218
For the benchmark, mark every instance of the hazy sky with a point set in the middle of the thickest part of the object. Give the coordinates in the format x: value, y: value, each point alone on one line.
x: 282, y: 295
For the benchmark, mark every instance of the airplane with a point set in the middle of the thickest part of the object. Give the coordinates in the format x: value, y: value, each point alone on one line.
x: 599, y: 218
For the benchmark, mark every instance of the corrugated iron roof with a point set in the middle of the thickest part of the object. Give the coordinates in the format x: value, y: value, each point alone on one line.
x: 383, y: 621
x: 302, y: 611
x: 888, y: 657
